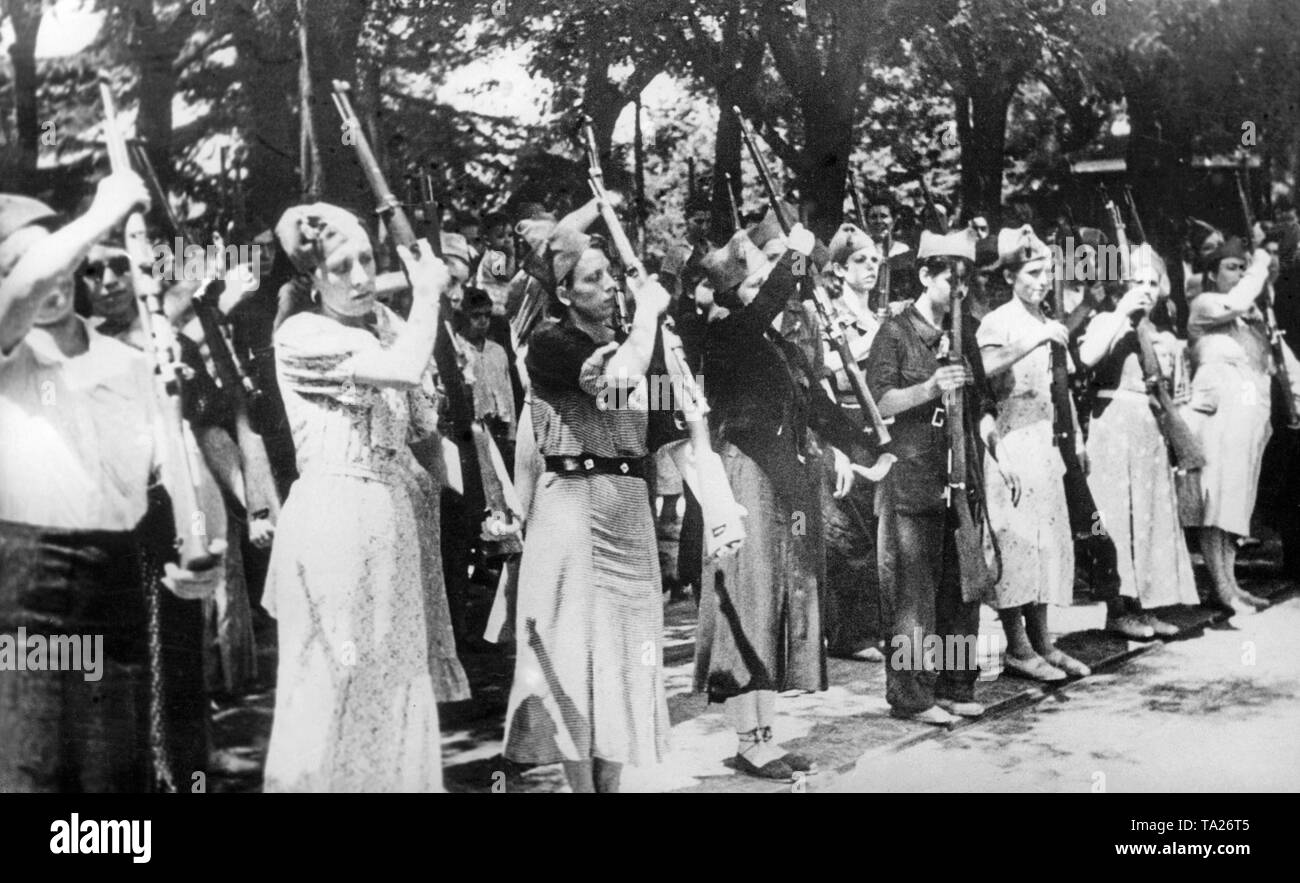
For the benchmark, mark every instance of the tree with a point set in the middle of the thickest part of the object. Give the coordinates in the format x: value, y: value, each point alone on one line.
x: 25, y: 16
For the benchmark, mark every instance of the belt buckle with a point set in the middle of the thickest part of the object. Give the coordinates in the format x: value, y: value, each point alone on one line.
x: 588, y: 464
x: 622, y: 467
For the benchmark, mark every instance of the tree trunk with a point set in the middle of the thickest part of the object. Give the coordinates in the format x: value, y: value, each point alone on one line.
x: 25, y: 15
x: 824, y: 167
x: 265, y: 47
x: 982, y: 128
x: 726, y: 161
x: 154, y: 51
x: 333, y: 32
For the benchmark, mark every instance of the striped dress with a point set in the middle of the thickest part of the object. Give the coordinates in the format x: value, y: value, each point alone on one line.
x: 588, y: 672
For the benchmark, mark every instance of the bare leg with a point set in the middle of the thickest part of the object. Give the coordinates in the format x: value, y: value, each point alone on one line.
x: 746, y: 713
x: 607, y: 775
x: 1036, y: 626
x: 1230, y: 570
x: 1013, y: 625
x: 579, y: 775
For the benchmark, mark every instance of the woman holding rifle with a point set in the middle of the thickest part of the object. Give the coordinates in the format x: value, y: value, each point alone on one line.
x: 355, y: 578
x: 1027, y: 508
x: 760, y: 629
x: 1131, y: 477
x: 588, y: 689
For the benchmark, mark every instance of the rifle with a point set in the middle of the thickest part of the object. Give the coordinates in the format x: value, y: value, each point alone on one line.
x: 260, y: 495
x: 181, y: 470
x: 501, y: 524
x: 875, y: 422
x: 857, y: 200
x: 1184, y: 448
x: 724, y: 529
x: 731, y: 203
x: 1275, y: 342
x: 977, y: 579
x: 631, y: 263
x: 908, y: 158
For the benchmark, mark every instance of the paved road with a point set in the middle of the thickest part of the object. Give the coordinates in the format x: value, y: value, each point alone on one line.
x: 1214, y: 713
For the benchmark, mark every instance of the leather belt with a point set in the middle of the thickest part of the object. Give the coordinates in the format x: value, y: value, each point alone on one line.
x: 587, y: 464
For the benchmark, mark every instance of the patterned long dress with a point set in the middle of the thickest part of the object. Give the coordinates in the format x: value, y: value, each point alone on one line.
x: 355, y: 580
x: 1130, y: 476
x: 1034, y: 534
x: 589, y: 623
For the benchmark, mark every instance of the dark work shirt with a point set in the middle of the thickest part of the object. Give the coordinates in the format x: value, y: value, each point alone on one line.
x: 905, y: 353
x: 766, y: 395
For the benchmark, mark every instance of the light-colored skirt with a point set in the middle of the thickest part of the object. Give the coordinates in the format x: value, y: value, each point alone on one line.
x: 365, y: 645
x: 589, y: 627
x: 1132, y: 484
x: 1230, y: 415
x: 1033, y: 535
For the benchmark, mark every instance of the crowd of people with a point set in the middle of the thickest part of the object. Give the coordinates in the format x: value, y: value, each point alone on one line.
x: 394, y: 438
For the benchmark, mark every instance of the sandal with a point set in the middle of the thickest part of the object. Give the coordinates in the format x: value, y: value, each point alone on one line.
x: 797, y: 762
x: 1036, y: 668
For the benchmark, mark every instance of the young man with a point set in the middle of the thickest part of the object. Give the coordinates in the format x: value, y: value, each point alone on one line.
x: 920, y: 580
x: 901, y: 260
x: 487, y: 370
x: 80, y: 453
x: 497, y: 266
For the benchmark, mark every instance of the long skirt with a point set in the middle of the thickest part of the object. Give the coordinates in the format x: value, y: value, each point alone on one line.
x: 760, y: 618
x: 1132, y: 484
x: 1033, y: 534
x: 589, y: 677
x: 1230, y: 415
x: 366, y: 650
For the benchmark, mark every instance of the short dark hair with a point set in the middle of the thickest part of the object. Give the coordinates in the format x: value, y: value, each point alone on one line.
x: 476, y: 299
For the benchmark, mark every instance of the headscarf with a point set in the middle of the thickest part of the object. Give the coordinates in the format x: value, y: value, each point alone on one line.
x: 308, y: 233
x: 554, y: 248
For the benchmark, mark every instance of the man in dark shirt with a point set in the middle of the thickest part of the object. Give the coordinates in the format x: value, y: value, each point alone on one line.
x: 908, y: 372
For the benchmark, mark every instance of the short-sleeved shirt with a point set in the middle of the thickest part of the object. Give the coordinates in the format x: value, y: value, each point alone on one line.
x: 79, y: 439
x: 576, y: 409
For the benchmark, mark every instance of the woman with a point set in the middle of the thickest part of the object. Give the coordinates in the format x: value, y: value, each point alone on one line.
x: 1131, y: 477
x: 588, y: 690
x: 1231, y: 406
x: 1027, y: 508
x: 355, y: 578
x: 760, y: 628
x: 921, y: 584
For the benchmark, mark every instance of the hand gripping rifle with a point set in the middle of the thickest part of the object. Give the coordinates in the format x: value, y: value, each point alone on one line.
x: 875, y: 422
x: 501, y: 523
x: 261, y: 499
x: 724, y: 529
x: 1184, y: 447
x: 181, y: 470
x: 1275, y: 341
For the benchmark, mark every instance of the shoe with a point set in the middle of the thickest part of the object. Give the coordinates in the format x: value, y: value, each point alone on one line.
x: 932, y: 715
x: 1253, y: 600
x: 961, y: 709
x: 1159, y: 626
x: 1130, y: 627
x: 1068, y: 664
x: 797, y: 762
x: 777, y: 770
x: 866, y: 654
x: 1237, y: 607
x: 1036, y: 668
